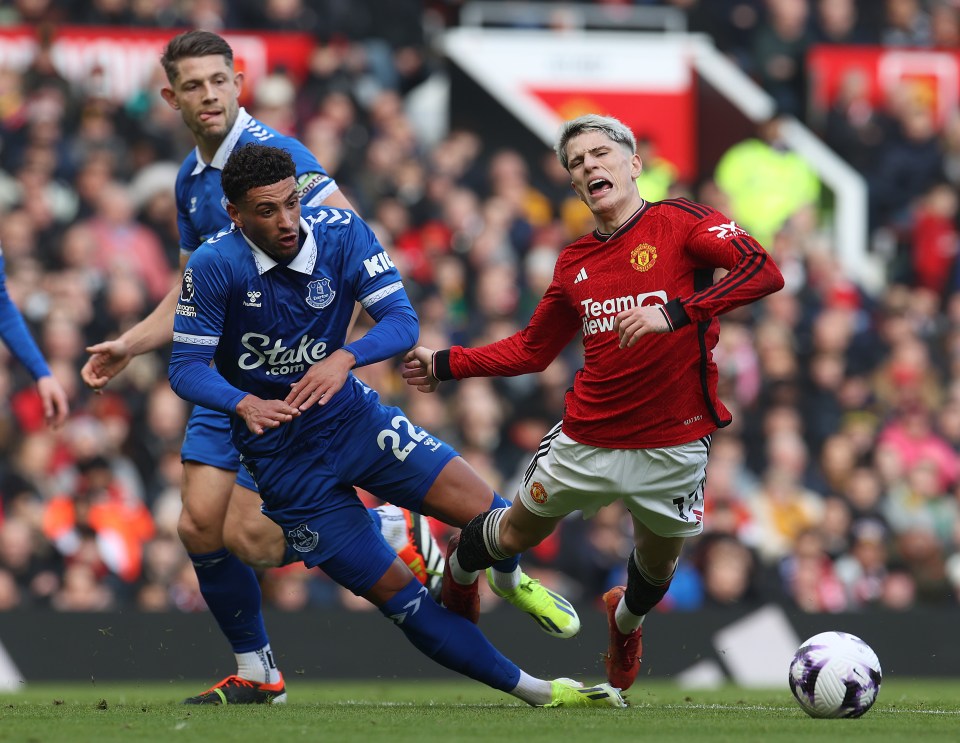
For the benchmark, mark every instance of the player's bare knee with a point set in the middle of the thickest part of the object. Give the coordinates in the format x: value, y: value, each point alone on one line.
x: 199, y: 535
x: 657, y: 569
x: 254, y: 548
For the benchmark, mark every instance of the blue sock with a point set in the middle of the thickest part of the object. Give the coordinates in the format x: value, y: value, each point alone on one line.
x: 232, y: 593
x: 510, y: 564
x: 449, y: 639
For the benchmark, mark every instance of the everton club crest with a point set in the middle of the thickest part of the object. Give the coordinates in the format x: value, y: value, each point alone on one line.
x: 303, y: 538
x: 319, y: 293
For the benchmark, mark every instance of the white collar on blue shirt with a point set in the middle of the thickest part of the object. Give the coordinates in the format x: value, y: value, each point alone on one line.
x: 226, y: 146
x: 303, y: 262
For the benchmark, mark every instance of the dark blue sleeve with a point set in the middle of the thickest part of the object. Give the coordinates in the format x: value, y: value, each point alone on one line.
x: 196, y: 336
x: 193, y: 379
x: 14, y: 332
x: 396, y: 330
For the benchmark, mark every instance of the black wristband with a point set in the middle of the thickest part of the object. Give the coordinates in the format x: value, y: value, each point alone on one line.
x: 441, y: 365
x: 675, y: 314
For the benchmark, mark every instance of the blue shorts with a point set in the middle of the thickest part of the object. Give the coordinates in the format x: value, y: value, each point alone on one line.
x: 207, y: 441
x: 309, y: 489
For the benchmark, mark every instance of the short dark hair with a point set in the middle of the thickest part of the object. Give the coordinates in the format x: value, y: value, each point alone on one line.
x: 252, y: 166
x: 193, y: 44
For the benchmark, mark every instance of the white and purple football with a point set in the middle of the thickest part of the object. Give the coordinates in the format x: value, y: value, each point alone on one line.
x: 835, y: 674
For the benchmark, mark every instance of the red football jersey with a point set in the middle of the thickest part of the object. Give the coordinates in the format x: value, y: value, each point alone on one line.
x: 663, y: 390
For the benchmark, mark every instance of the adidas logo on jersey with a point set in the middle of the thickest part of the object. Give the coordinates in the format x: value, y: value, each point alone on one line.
x: 581, y: 276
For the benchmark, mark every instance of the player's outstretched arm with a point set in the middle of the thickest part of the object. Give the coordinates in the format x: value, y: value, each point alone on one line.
x: 13, y: 331
x: 54, y: 399
x: 259, y: 415
x: 418, y: 369
x: 109, y: 358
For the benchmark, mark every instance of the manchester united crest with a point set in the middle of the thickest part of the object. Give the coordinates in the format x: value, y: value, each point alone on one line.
x: 643, y: 257
x: 538, y: 493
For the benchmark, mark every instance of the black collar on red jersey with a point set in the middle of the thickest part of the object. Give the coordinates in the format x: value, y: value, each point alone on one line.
x: 603, y: 237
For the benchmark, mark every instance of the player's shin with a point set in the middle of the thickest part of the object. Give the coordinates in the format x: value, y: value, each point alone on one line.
x: 232, y: 593
x: 506, y: 572
x: 643, y: 591
x: 480, y: 542
x: 448, y: 639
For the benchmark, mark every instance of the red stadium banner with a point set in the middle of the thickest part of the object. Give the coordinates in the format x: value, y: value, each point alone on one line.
x: 645, y: 80
x: 930, y: 77
x: 671, y: 129
x: 128, y: 58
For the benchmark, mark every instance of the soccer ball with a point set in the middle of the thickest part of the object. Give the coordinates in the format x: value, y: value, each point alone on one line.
x: 835, y: 674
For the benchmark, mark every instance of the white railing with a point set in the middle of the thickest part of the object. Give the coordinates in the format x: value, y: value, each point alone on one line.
x: 572, y: 15
x: 850, y: 219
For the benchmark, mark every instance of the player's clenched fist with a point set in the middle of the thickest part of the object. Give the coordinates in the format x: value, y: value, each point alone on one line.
x: 418, y: 369
x: 631, y: 325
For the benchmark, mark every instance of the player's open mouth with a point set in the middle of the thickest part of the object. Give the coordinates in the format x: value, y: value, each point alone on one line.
x: 207, y: 115
x: 289, y: 241
x: 599, y: 186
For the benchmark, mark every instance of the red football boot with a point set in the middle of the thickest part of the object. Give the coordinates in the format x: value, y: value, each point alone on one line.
x: 458, y: 598
x: 623, y: 651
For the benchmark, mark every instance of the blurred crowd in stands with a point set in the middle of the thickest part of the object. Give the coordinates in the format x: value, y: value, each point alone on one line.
x: 836, y: 488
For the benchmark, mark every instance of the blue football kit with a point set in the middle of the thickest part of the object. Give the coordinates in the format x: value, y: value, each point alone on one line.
x: 201, y: 214
x: 14, y: 331
x: 264, y: 324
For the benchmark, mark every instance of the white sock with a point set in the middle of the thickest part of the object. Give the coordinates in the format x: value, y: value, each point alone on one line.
x: 393, y: 526
x: 627, y: 621
x: 461, y: 576
x: 258, y: 665
x: 507, y: 582
x: 532, y: 690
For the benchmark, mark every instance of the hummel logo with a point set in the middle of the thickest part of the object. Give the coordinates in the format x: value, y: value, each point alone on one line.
x: 581, y: 276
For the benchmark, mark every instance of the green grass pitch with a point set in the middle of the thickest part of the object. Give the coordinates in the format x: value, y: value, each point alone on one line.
x: 422, y: 712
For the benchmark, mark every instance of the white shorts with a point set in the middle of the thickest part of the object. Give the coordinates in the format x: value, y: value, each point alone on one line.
x: 662, y: 488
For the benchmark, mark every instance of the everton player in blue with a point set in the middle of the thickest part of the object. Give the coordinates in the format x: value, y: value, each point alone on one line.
x: 269, y: 301
x: 14, y: 332
x: 219, y: 515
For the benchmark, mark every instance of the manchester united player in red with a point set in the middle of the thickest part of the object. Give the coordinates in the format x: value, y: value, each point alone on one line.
x: 638, y: 421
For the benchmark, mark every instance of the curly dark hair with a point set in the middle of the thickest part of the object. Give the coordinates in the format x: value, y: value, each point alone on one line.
x: 252, y: 166
x: 193, y: 44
